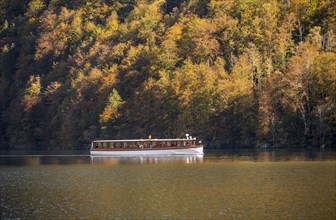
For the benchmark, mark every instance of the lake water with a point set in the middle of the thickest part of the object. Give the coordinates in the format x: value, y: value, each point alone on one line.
x: 230, y: 184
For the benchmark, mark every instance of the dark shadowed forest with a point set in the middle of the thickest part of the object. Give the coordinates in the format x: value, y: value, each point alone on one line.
x: 234, y: 73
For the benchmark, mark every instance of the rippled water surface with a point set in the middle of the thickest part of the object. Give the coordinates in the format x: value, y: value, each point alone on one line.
x: 220, y: 185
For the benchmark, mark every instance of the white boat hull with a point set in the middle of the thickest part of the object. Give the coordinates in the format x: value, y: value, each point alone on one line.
x: 150, y: 151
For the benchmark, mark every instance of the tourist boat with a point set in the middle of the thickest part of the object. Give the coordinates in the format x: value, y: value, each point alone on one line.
x: 143, y: 147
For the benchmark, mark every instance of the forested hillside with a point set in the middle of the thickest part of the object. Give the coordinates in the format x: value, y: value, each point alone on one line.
x: 234, y: 73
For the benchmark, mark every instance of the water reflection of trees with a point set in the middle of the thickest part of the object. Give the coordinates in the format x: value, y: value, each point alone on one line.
x: 147, y: 159
x: 35, y: 160
x: 270, y: 155
x: 19, y: 160
x: 256, y: 155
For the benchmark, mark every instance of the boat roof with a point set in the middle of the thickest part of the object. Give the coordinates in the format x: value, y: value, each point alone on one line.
x: 144, y: 140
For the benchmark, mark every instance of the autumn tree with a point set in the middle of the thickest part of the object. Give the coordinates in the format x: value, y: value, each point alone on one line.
x: 233, y: 73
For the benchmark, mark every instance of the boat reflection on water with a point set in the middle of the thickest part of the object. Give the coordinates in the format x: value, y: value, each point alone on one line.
x: 147, y: 159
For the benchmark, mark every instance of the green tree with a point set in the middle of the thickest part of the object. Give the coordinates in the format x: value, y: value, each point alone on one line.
x: 32, y: 93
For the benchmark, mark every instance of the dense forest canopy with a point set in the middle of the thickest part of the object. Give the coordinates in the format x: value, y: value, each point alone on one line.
x: 234, y: 73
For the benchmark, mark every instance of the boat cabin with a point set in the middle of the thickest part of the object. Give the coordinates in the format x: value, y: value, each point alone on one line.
x: 143, y: 143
